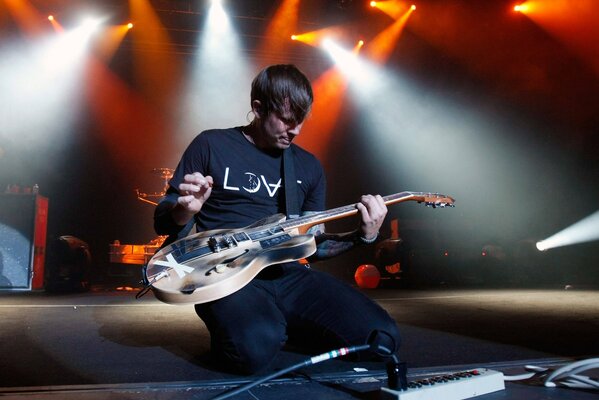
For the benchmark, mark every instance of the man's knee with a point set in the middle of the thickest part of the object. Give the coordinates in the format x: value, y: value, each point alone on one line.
x: 251, y: 351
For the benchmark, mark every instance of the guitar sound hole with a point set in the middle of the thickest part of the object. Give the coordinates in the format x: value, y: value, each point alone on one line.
x: 225, y: 262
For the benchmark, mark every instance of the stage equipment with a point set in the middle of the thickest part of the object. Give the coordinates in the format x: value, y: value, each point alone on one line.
x: 367, y: 276
x: 152, y: 198
x: 388, y: 256
x: 140, y: 254
x: 69, y: 265
x: 454, y: 386
x: 23, y: 225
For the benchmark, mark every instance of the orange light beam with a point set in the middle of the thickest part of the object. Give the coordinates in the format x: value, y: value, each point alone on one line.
x: 26, y: 16
x: 392, y: 8
x: 156, y: 66
x: 110, y: 41
x: 315, y: 38
x: 280, y: 28
x: 358, y: 47
x: 329, y: 91
x: 574, y: 23
x: 128, y: 126
x: 381, y: 47
x: 55, y: 24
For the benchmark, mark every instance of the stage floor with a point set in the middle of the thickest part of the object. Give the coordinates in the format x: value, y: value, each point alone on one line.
x: 106, y: 344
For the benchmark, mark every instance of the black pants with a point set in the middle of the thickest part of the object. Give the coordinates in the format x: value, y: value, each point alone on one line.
x: 290, y: 301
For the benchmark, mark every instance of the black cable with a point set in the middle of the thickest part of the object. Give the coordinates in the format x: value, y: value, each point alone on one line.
x: 311, y: 361
x: 143, y: 291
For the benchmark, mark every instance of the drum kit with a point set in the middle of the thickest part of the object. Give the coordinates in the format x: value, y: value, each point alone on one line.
x: 140, y: 254
x: 152, y: 198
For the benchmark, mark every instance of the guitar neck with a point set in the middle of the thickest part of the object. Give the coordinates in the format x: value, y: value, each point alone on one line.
x: 306, y: 222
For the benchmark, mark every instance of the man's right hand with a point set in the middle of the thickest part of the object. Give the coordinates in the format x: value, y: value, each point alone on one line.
x: 193, y: 193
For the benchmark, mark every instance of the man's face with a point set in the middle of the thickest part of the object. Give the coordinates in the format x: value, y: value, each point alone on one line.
x: 278, y: 131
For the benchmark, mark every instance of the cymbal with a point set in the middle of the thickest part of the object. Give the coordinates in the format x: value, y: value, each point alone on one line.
x: 164, y: 172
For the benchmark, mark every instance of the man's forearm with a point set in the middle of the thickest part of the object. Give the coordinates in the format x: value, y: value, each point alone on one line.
x: 180, y: 215
x: 330, y: 244
x: 169, y: 217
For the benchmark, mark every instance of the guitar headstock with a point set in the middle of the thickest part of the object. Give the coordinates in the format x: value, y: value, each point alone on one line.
x: 435, y: 200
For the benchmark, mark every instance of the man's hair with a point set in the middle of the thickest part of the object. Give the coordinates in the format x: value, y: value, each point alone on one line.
x: 281, y: 88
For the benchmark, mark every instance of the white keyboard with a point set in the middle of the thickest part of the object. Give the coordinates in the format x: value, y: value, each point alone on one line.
x: 453, y: 386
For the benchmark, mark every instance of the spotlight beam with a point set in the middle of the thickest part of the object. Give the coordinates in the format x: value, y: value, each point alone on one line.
x: 585, y: 230
x: 220, y: 68
x: 383, y: 44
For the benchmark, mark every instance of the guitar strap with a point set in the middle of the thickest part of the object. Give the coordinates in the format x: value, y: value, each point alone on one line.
x: 292, y: 208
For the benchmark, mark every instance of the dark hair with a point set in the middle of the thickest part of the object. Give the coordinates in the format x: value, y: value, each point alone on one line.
x: 280, y: 86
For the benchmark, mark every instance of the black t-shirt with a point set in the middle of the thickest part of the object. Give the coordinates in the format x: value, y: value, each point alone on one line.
x: 248, y: 184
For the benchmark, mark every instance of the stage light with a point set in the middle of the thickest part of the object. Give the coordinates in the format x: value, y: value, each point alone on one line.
x: 57, y: 27
x: 67, y: 49
x: 40, y: 89
x: 346, y: 61
x: 329, y: 95
x: 25, y: 14
x: 358, y: 47
x: 357, y: 70
x: 218, y: 18
x: 572, y: 23
x: 393, y: 8
x: 282, y: 25
x: 317, y: 37
x: 91, y: 25
x: 521, y: 8
x: 585, y: 230
x: 217, y: 92
x: 381, y: 47
x: 129, y: 25
x: 293, y: 37
x: 83, y: 33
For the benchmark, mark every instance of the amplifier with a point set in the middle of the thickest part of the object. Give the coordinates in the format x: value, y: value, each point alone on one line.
x: 23, y: 226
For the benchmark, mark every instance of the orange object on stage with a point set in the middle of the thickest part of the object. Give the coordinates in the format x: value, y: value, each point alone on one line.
x: 367, y: 276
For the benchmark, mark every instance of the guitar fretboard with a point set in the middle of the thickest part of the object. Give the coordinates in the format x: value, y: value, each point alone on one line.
x: 344, y: 211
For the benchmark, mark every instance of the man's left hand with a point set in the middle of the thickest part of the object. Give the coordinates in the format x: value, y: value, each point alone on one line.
x: 373, y: 212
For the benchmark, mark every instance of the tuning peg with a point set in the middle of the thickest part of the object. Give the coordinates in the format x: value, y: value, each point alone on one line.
x: 438, y: 204
x: 443, y: 205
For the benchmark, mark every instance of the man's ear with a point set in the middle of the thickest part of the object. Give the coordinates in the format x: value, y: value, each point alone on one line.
x: 257, y: 109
